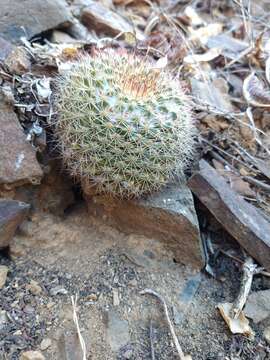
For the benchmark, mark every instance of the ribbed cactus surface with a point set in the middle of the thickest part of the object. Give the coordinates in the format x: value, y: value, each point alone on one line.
x: 123, y: 125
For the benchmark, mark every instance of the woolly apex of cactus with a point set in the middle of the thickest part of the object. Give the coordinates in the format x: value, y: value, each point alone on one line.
x: 123, y: 125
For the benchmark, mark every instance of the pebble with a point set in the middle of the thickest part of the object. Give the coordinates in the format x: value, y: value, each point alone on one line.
x: 45, y: 344
x: 32, y: 355
x: 58, y: 290
x: 3, y: 275
x: 34, y: 287
x: 266, y: 334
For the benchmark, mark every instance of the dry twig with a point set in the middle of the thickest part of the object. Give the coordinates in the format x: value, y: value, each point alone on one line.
x: 76, y: 322
x: 175, y: 340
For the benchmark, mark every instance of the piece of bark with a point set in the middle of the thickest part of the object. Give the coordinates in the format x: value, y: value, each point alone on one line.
x: 241, y: 219
x: 12, y: 214
x: 168, y: 216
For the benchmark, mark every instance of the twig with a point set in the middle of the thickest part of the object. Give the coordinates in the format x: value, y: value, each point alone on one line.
x: 76, y: 322
x: 258, y: 183
x: 151, y: 341
x: 175, y: 340
x: 249, y: 269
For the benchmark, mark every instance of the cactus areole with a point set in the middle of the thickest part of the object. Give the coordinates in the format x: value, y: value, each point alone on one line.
x: 123, y: 124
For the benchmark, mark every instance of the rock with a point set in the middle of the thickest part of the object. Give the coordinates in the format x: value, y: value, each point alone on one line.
x: 3, y: 319
x: 18, y: 61
x: 17, y: 157
x: 266, y: 334
x: 258, y: 306
x: 12, y: 214
x: 241, y: 219
x: 60, y: 37
x: 34, y: 288
x: 117, y: 331
x: 3, y: 275
x: 5, y: 49
x: 31, y: 17
x: 32, y: 355
x: 58, y: 290
x: 99, y: 18
x: 168, y: 216
x: 45, y: 344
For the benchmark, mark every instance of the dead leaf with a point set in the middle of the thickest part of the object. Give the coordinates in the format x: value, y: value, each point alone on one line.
x: 195, y: 19
x: 255, y: 92
x: 236, y: 326
x: 207, y: 56
x: 202, y: 34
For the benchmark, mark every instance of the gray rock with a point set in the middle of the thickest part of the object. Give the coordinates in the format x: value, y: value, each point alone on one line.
x: 241, y: 219
x: 17, y: 157
x: 99, y: 18
x: 258, y: 306
x: 168, y: 216
x: 69, y: 346
x: 5, y: 48
x: 117, y: 331
x: 31, y: 17
x: 12, y: 214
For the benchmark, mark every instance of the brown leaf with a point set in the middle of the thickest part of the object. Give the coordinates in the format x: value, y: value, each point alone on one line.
x: 255, y: 92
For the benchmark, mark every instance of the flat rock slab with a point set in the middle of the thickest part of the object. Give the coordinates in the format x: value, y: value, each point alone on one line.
x: 18, y: 163
x: 258, y: 306
x: 168, y: 216
x: 12, y: 214
x: 99, y: 18
x: 30, y: 17
x: 241, y: 219
x: 117, y: 331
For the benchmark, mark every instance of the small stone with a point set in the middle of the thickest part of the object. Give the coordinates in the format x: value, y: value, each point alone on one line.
x: 45, y: 344
x: 32, y: 355
x: 34, y: 287
x: 266, y: 334
x: 28, y: 309
x: 60, y: 37
x: 58, y: 290
x: 116, y: 300
x: 92, y: 297
x: 3, y: 319
x: 12, y: 214
x: 103, y: 20
x: 3, y: 275
x: 18, y: 61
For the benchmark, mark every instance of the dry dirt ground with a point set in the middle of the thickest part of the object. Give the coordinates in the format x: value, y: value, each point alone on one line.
x: 74, y: 254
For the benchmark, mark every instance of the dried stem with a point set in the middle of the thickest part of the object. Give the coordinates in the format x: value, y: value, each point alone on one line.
x: 249, y: 269
x: 76, y: 322
x: 175, y: 340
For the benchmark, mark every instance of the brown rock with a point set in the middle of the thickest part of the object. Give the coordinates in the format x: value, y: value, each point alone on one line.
x: 99, y: 18
x: 18, y: 61
x: 31, y: 17
x: 242, y: 220
x: 17, y: 156
x: 12, y: 214
x: 168, y: 216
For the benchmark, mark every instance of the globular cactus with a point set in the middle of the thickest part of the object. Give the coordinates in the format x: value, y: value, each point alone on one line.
x: 123, y: 124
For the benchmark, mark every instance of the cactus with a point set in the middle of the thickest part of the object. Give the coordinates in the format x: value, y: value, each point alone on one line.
x: 123, y: 125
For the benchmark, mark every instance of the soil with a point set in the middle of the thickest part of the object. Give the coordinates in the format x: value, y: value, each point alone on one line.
x: 75, y: 254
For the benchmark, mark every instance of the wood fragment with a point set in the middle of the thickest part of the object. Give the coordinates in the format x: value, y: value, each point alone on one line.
x: 151, y: 341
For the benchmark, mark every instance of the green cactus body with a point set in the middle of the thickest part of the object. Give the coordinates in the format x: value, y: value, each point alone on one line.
x: 122, y: 124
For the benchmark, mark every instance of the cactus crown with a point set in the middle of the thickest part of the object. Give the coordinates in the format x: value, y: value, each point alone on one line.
x: 123, y: 125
